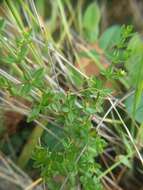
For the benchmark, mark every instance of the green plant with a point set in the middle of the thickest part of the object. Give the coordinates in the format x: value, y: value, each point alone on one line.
x: 63, y: 100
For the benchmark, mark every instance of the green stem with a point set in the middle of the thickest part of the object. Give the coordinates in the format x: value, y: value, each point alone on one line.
x: 29, y: 146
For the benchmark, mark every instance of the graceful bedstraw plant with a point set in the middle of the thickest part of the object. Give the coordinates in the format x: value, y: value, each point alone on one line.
x: 34, y: 70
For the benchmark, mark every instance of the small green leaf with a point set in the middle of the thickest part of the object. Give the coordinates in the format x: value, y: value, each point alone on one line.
x: 90, y: 110
x: 38, y: 74
x: 129, y: 103
x: 22, y: 53
x: 3, y: 82
x: 25, y: 89
x: 38, y: 78
x: 75, y: 77
x: 92, y: 36
x: 110, y: 37
x: 91, y: 17
x: 34, y: 114
x: 9, y: 59
x: 27, y: 75
x: 91, y: 20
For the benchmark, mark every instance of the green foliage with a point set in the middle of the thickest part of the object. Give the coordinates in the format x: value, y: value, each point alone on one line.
x: 135, y: 60
x: 91, y: 20
x: 70, y: 145
x: 77, y: 144
x: 22, y: 47
x: 111, y: 74
x: 110, y: 37
x: 119, y: 51
x: 74, y: 116
x: 139, y: 109
x: 19, y: 53
x: 134, y: 66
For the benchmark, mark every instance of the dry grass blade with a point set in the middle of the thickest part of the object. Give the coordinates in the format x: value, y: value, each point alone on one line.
x: 13, y: 176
